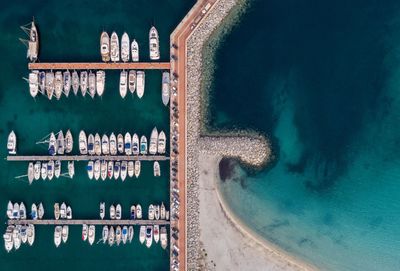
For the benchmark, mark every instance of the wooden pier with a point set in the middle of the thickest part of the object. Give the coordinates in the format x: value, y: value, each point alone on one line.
x: 101, y: 66
x: 30, y: 158
x: 87, y: 221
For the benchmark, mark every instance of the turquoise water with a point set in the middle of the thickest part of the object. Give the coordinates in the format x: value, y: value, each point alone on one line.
x: 69, y: 31
x: 325, y: 78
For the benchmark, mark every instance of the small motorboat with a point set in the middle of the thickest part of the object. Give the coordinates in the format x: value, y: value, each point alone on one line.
x: 12, y: 143
x: 124, y: 234
x: 83, y: 148
x: 92, y: 234
x: 69, y: 142
x: 10, y: 210
x: 161, y: 142
x: 156, y: 231
x: 135, y: 144
x: 22, y: 211
x: 52, y: 144
x: 63, y: 211
x: 133, y: 212
x: 151, y: 212
x: 57, y: 168
x: 71, y: 169
x: 163, y: 237
x: 103, y: 170
x: 40, y: 211
x: 131, y: 169
x: 137, y: 168
x: 56, y: 211
x: 31, y: 234
x: 113, y: 144
x: 162, y: 211
x: 105, y: 145
x: 117, y: 168
x: 120, y: 143
x: 132, y: 81
x: 143, y: 145
x: 156, y: 169
x: 110, y: 169
x: 90, y: 145
x: 105, y: 234
x: 118, y: 212
x: 69, y: 212
x: 50, y: 170
x: 112, y: 211
x: 96, y: 171
x: 123, y: 83
x: 124, y: 167
x: 138, y: 211
x: 90, y: 168
x: 84, y: 82
x: 102, y: 209
x: 111, y: 236
x: 100, y: 82
x: 31, y: 173
x: 60, y: 143
x: 149, y: 236
x: 64, y: 233
x: 34, y: 212
x: 142, y: 234
x: 157, y: 212
x: 118, y: 235
x: 153, y: 141
x: 57, y: 235
x: 8, y: 238
x: 97, y: 144
x: 84, y: 232
x: 43, y: 173
x: 37, y: 170
x: 135, y: 51
x: 130, y: 234
x: 140, y: 83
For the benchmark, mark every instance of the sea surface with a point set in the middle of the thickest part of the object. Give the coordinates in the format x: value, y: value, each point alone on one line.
x: 70, y: 31
x: 322, y: 80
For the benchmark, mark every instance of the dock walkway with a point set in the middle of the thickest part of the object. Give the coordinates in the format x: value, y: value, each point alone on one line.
x: 31, y: 158
x: 87, y: 221
x: 100, y: 66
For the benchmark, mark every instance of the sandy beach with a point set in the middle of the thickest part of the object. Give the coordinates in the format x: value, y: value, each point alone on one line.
x: 226, y: 243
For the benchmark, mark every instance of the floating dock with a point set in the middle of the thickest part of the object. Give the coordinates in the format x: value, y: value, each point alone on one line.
x: 87, y: 221
x: 101, y: 66
x: 30, y: 158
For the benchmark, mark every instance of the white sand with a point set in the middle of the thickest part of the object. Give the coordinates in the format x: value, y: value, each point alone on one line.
x: 228, y: 244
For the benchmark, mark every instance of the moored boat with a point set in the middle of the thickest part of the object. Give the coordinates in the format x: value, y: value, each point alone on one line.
x: 112, y: 211
x: 65, y: 233
x: 138, y: 211
x: 124, y: 234
x: 124, y: 169
x: 161, y: 143
x: 57, y: 168
x: 71, y: 169
x: 102, y: 210
x: 143, y: 145
x: 52, y: 144
x: 163, y: 237
x: 137, y: 168
x: 111, y: 236
x: 156, y: 169
x: 22, y: 211
x: 105, y: 46
x: 127, y: 145
x: 83, y: 148
x: 110, y: 169
x: 50, y: 170
x: 140, y: 83
x: 90, y: 169
x: 58, y: 84
x: 133, y: 212
x: 31, y: 234
x: 105, y: 145
x: 8, y: 238
x: 12, y: 143
x: 118, y: 212
x: 34, y: 212
x: 103, y: 170
x: 114, y: 47
x: 120, y: 143
x: 113, y: 144
x: 130, y: 234
x: 153, y: 141
x: 118, y: 235
x: 10, y: 210
x: 125, y: 47
x: 100, y: 82
x: 63, y: 211
x: 96, y: 170
x: 135, y: 51
x: 40, y: 211
x: 156, y: 231
x: 33, y: 42
x: 91, y: 234
x: 135, y: 144
x: 142, y: 234
x: 60, y: 143
x: 84, y: 232
x: 131, y: 169
x: 90, y: 144
x: 69, y: 142
x: 151, y: 212
x: 16, y: 237
x: 36, y: 170
x: 31, y: 174
x: 165, y: 88
x: 42, y: 81
x: 92, y: 84
x: 97, y: 144
x: 23, y: 233
x: 132, y: 81
x: 49, y: 84
x: 69, y: 212
x: 117, y: 169
x: 157, y: 212
x: 123, y: 85
x: 162, y: 211
x: 67, y: 82
x: 105, y: 234
x: 84, y: 82
x: 154, y: 44
x: 33, y: 83
x: 57, y: 235
x: 149, y: 236
x: 75, y: 82
x: 43, y: 173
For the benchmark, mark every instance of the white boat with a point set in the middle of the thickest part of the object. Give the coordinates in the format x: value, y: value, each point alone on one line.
x: 22, y: 211
x: 90, y: 144
x: 132, y: 81
x: 133, y: 212
x: 57, y: 235
x: 31, y: 234
x: 125, y: 47
x: 161, y: 142
x: 127, y: 145
x: 156, y: 169
x: 43, y: 173
x: 83, y: 148
x: 105, y: 46
x: 156, y: 231
x: 112, y: 211
x: 52, y: 144
x: 31, y: 173
x: 110, y: 169
x: 69, y: 142
x: 16, y: 237
x: 33, y: 42
x: 92, y: 84
x: 84, y: 232
x: 151, y: 212
x: 97, y: 144
x: 33, y: 83
x: 8, y: 238
x: 137, y: 168
x: 140, y: 82
x: 36, y: 170
x: 42, y: 82
x: 114, y: 47
x: 162, y: 211
x: 142, y: 234
x: 69, y: 212
x: 123, y: 83
x: 111, y: 236
x: 157, y: 212
x: 120, y: 143
x: 102, y: 210
x: 34, y: 212
x: 153, y: 141
x: 40, y: 211
x: 71, y: 169
x: 12, y: 143
x: 84, y: 82
x: 10, y: 210
x: 130, y: 234
x: 75, y: 82
x: 105, y: 234
x: 163, y: 237
x: 49, y: 84
x: 131, y: 169
x: 143, y: 145
x: 149, y: 236
x: 124, y: 234
x: 96, y: 170
x: 105, y: 144
x: 118, y: 212
x: 63, y: 211
x: 65, y: 233
x: 124, y: 169
x: 100, y: 82
x: 92, y: 234
x: 57, y: 168
x: 117, y: 169
x: 167, y: 215
x: 113, y: 144
x: 103, y: 170
x: 67, y: 82
x: 60, y: 143
x: 50, y: 170
x: 135, y: 144
x: 138, y: 211
x: 23, y: 233
x: 90, y: 169
x: 135, y: 51
x: 165, y: 89
x: 154, y: 44
x: 118, y: 235
x: 58, y: 84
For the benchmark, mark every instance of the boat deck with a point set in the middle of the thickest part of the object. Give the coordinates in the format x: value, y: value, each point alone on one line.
x: 101, y: 66
x: 31, y: 158
x: 86, y: 221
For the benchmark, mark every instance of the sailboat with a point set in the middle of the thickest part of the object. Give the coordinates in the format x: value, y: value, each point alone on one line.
x: 118, y: 235
x: 137, y: 168
x: 153, y: 141
x: 33, y: 83
x: 31, y: 234
x: 138, y: 211
x: 151, y: 212
x: 52, y: 144
x: 9, y: 210
x: 42, y: 81
x: 105, y: 46
x: 113, y: 144
x: 84, y: 232
x: 43, y: 173
x: 154, y: 44
x: 67, y: 82
x: 63, y: 211
x: 125, y: 47
x: 8, y: 238
x: 64, y: 233
x: 84, y: 82
x: 140, y: 81
x: 56, y: 211
x: 60, y: 142
x: 161, y: 142
x: 114, y: 47
x: 100, y: 82
x: 31, y: 174
x: 75, y: 82
x: 36, y: 170
x: 165, y: 88
x: 124, y: 234
x: 92, y: 234
x: 40, y: 211
x: 117, y: 168
x: 82, y: 142
x: 123, y: 84
x: 105, y: 234
x: 112, y: 212
x: 58, y: 85
x: 132, y: 81
x: 69, y: 142
x: 50, y: 170
x: 118, y: 212
x: 130, y: 234
x: 102, y: 210
x: 156, y: 169
x: 143, y: 145
x: 92, y: 84
x: 12, y: 143
x: 162, y: 211
x: 133, y: 212
x: 49, y: 84
x: 33, y: 42
x: 57, y: 168
x: 127, y: 146
x: 71, y: 169
x: 135, y: 51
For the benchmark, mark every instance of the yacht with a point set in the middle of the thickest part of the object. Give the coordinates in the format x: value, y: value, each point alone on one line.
x: 102, y: 210
x: 132, y: 81
x: 49, y: 84
x: 153, y: 141
x: 43, y: 173
x: 124, y: 234
x: 58, y: 85
x: 90, y: 168
x: 135, y: 51
x: 124, y: 169
x: 127, y: 146
x: 113, y: 144
x: 117, y: 169
x: 31, y: 174
x: 163, y: 237
x: 112, y: 211
x: 105, y: 234
x: 71, y: 169
x: 120, y: 143
x: 157, y: 212
x: 64, y: 233
x: 125, y: 47
x: 100, y: 82
x: 131, y: 169
x: 151, y: 212
x: 52, y: 144
x: 16, y: 237
x: 143, y: 145
x: 105, y: 46
x: 50, y: 170
x: 36, y: 169
x: 92, y: 84
x: 84, y: 232
x: 8, y: 238
x: 165, y: 90
x: 103, y: 170
x: 84, y: 82
x: 97, y: 144
x: 42, y: 81
x: 69, y: 212
x: 57, y: 235
x: 40, y: 211
x: 138, y: 211
x: 110, y: 169
x: 92, y: 234
x: 133, y: 212
x: 137, y: 168
x: 114, y: 47
x: 105, y: 145
x: 33, y: 42
x: 83, y: 142
x: 140, y: 82
x: 12, y: 143
x: 111, y: 236
x: 154, y: 44
x: 156, y: 231
x: 142, y: 234
x: 118, y: 235
x: 31, y: 234
x: 22, y: 211
x: 33, y: 83
x: 156, y: 169
x: 67, y: 82
x: 75, y: 82
x: 96, y: 170
x: 22, y: 233
x: 149, y: 236
x: 90, y: 145
x: 60, y: 143
x: 118, y: 212
x: 34, y: 212
x: 130, y: 234
x: 10, y: 210
x: 123, y: 86
x: 63, y: 211
x: 57, y: 168
x: 135, y: 144
x: 69, y: 142
x: 162, y: 211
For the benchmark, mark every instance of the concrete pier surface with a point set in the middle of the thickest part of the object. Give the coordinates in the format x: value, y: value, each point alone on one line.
x: 101, y: 66
x: 87, y: 221
x: 30, y: 158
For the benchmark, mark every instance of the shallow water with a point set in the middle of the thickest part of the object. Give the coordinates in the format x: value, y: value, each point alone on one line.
x: 324, y: 88
x: 69, y: 31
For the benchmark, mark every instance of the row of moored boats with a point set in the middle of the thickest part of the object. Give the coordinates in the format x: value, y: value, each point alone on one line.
x: 48, y: 170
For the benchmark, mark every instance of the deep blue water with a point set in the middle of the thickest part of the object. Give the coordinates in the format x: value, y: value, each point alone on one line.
x: 321, y: 79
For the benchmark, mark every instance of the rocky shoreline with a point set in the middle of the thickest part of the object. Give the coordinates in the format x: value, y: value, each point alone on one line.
x: 249, y: 147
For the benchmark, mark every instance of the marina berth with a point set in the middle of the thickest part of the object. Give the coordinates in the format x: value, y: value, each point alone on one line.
x: 58, y: 85
x: 114, y: 47
x: 75, y: 82
x: 135, y: 144
x: 120, y: 143
x: 90, y: 145
x: 132, y: 81
x: 69, y: 142
x: 135, y: 51
x: 154, y: 44
x: 12, y: 143
x: 49, y: 84
x: 140, y: 82
x: 161, y: 142
x: 83, y: 142
x: 125, y: 47
x: 84, y: 82
x: 153, y: 141
x: 100, y: 82
x: 123, y: 86
x: 113, y: 144
x: 67, y: 82
x: 33, y: 83
x: 127, y: 146
x: 42, y: 82
x: 165, y: 88
x: 92, y: 84
x: 143, y: 145
x: 105, y: 46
